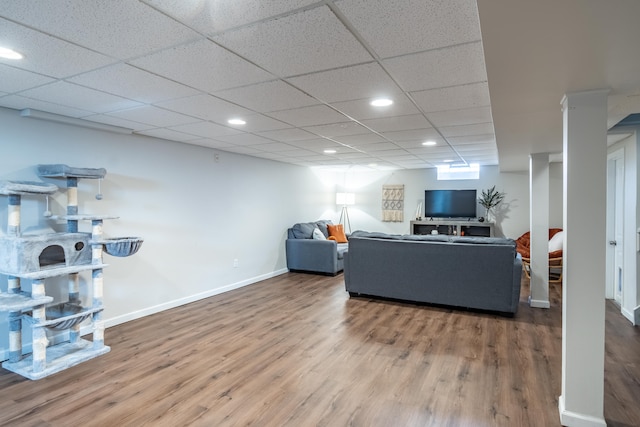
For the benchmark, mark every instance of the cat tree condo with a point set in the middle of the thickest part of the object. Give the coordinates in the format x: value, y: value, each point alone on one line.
x: 38, y: 257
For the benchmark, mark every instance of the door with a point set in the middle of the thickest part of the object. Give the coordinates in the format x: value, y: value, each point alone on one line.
x: 615, y: 210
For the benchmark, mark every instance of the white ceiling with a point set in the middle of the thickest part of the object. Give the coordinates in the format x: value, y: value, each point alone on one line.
x: 302, y: 73
x: 536, y: 51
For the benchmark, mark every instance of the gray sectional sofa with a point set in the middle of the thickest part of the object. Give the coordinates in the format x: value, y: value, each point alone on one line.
x: 469, y: 272
x: 306, y: 254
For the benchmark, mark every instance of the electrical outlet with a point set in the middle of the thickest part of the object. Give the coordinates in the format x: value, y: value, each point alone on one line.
x: 216, y: 157
x: 235, y: 263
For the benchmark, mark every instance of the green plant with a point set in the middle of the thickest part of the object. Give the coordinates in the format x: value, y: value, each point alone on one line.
x: 491, y: 198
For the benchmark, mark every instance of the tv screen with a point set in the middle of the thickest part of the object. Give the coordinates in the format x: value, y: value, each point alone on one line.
x: 450, y: 203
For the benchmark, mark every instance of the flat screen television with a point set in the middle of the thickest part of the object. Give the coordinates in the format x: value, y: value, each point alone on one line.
x: 450, y: 203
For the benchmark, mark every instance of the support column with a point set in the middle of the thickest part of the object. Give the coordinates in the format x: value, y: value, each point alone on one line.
x: 583, y: 291
x: 539, y: 228
x: 13, y: 219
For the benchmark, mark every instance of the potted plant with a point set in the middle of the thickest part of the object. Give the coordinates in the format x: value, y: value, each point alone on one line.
x: 489, y: 199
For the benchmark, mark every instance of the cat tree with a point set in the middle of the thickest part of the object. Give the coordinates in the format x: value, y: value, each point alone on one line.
x: 38, y: 257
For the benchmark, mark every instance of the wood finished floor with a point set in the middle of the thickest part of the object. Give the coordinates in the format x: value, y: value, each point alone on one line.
x: 296, y: 351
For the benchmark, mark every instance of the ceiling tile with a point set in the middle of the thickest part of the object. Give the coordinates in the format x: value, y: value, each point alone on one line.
x: 337, y: 129
x: 273, y: 147
x: 438, y: 68
x: 356, y: 140
x: 392, y: 27
x: 203, y: 65
x: 268, y: 96
x: 205, y: 107
x: 47, y: 55
x: 390, y: 124
x: 79, y: 97
x: 417, y: 143
x: 169, y: 134
x: 361, y: 110
x: 380, y: 146
x: 133, y: 83
x: 296, y: 152
x: 309, y: 41
x: 120, y: 28
x: 412, y: 134
x: 316, y: 145
x: 205, y: 130
x: 465, y: 116
x: 15, y: 80
x: 116, y: 121
x: 150, y: 115
x: 453, y: 98
x: 260, y: 123
x: 18, y: 102
x: 472, y: 139
x: 286, y: 135
x: 213, y: 16
x: 244, y: 139
x: 476, y: 129
x: 309, y: 116
x: 365, y: 81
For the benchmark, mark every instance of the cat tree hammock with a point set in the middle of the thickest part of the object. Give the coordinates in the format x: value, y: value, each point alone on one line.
x: 42, y: 256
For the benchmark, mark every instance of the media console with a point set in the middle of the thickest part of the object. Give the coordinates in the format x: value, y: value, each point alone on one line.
x: 460, y: 227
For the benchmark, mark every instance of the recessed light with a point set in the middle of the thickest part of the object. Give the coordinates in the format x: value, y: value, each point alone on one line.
x: 429, y: 143
x: 9, y: 53
x: 381, y: 102
x: 373, y: 165
x: 448, y: 161
x: 236, y: 122
x: 330, y: 151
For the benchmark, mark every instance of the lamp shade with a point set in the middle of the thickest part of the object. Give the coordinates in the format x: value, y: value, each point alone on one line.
x: 345, y: 199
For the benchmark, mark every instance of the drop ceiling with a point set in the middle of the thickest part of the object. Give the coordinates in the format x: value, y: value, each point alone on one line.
x: 301, y: 73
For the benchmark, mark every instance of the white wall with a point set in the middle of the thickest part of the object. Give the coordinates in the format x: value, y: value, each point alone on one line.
x: 196, y: 215
x: 512, y: 214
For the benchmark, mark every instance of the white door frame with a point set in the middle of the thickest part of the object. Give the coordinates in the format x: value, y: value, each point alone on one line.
x: 614, y: 187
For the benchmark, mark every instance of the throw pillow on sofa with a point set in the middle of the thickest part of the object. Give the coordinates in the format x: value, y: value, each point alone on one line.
x: 337, y: 231
x: 317, y: 234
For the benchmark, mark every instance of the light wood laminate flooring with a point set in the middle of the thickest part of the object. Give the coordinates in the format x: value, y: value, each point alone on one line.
x: 295, y: 350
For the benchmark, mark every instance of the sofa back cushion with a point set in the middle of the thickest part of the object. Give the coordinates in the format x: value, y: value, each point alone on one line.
x: 304, y: 230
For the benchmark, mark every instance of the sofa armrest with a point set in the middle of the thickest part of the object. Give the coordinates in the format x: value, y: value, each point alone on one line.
x: 312, y: 255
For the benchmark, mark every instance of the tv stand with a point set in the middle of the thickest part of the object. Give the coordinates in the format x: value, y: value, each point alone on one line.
x: 459, y: 227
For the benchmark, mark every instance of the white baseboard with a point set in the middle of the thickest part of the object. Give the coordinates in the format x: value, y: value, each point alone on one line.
x: 574, y: 419
x: 636, y: 315
x: 630, y: 316
x: 186, y: 300
x: 85, y: 330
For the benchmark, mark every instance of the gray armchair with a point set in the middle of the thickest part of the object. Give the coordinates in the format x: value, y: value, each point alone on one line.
x: 306, y: 254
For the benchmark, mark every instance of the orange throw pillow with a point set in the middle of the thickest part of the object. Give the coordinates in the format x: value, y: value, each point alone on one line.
x: 337, y: 231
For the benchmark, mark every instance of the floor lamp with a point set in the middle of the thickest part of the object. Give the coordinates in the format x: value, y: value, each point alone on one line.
x: 345, y: 199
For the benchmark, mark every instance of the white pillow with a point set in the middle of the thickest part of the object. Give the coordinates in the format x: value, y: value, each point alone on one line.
x: 317, y: 234
x: 556, y: 242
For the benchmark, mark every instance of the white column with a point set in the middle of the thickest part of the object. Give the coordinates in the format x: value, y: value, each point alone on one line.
x: 539, y: 227
x: 583, y: 290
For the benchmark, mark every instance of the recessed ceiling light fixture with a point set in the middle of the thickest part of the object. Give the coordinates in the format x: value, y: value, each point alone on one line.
x: 429, y: 143
x: 236, y: 122
x: 381, y: 102
x: 9, y: 53
x: 330, y: 151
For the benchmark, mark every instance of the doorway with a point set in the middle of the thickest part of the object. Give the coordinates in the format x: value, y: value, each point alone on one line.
x: 615, y: 226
